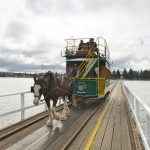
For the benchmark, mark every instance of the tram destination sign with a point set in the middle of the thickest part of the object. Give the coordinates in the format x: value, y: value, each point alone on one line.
x: 85, y: 87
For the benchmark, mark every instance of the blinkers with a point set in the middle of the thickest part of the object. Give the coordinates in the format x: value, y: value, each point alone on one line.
x: 32, y: 89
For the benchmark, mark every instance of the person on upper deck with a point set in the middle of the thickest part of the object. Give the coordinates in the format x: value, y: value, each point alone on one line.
x: 80, y: 45
x: 92, y: 45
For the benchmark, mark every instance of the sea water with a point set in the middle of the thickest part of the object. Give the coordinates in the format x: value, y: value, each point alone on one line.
x: 13, y: 102
x: 19, y: 85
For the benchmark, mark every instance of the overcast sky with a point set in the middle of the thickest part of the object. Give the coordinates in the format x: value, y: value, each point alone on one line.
x: 33, y: 32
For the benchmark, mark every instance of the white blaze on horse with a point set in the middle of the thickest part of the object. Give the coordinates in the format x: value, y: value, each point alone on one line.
x: 52, y: 88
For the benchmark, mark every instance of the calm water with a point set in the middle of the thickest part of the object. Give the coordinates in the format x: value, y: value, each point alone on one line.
x: 10, y: 103
x: 18, y: 85
x: 141, y: 89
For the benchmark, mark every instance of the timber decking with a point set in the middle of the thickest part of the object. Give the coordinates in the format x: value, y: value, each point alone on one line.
x: 113, y: 134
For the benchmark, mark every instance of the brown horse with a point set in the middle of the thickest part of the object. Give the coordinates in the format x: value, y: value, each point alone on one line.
x: 52, y: 88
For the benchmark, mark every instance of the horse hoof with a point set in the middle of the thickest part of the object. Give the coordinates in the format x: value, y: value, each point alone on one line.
x: 57, y: 116
x: 63, y: 118
x: 49, y: 123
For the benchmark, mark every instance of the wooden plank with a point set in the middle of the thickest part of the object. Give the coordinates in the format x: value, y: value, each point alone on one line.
x: 125, y: 137
x: 70, y: 131
x: 116, y: 142
x: 20, y: 135
x: 107, y: 140
x: 82, y: 137
x: 101, y: 132
x: 33, y: 137
x: 113, y: 133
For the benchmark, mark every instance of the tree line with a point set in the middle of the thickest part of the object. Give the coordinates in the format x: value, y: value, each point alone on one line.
x: 131, y: 74
x: 23, y: 75
x: 18, y: 75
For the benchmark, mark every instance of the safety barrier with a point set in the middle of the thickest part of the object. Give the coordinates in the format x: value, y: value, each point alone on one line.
x: 23, y: 108
x: 141, y: 114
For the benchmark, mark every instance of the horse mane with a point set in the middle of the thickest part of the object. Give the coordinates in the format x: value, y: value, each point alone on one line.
x: 50, y: 81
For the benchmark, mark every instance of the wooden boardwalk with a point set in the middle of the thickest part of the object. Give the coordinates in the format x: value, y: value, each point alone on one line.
x: 114, y: 132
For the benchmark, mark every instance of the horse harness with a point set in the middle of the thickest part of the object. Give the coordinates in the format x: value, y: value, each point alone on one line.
x: 56, y: 86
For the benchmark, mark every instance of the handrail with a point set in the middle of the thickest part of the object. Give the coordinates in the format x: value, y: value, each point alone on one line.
x: 83, y: 65
x: 135, y: 104
x: 23, y: 107
x: 98, y: 40
x: 14, y: 94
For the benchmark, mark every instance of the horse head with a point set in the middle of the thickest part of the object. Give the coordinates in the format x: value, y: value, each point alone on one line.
x: 37, y: 89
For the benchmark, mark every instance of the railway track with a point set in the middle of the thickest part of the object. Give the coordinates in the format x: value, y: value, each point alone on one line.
x: 12, y: 134
x: 8, y: 131
x: 75, y: 134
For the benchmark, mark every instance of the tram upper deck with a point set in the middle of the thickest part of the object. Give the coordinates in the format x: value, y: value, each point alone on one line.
x: 75, y: 50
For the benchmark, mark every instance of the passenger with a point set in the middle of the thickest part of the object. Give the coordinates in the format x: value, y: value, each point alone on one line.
x: 73, y: 71
x: 92, y: 45
x: 80, y: 45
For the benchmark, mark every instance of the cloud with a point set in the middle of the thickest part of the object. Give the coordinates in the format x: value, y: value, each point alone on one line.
x: 16, y: 31
x: 38, y: 6
x: 131, y: 61
x: 50, y: 7
x: 15, y: 66
x: 33, y: 32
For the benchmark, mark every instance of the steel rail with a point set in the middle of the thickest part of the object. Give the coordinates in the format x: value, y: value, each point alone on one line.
x: 16, y: 130
x: 9, y: 131
x: 75, y: 135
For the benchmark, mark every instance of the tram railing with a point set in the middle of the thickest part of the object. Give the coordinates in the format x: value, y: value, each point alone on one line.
x: 73, y: 44
x: 22, y: 106
x: 141, y: 114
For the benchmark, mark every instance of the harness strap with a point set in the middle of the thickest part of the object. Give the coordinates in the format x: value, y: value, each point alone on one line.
x: 58, y: 87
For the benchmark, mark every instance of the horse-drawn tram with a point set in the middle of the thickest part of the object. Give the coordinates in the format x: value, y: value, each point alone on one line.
x: 88, y: 65
x: 89, y: 126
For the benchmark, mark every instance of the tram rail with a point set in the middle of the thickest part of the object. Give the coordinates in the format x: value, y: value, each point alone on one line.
x: 36, y: 120
x: 84, y: 123
x: 8, y: 131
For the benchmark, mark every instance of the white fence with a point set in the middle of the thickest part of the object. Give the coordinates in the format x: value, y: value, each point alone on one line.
x: 141, y: 114
x: 19, y: 112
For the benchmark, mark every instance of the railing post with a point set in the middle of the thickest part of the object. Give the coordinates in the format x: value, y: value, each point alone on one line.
x: 22, y: 107
x: 148, y: 129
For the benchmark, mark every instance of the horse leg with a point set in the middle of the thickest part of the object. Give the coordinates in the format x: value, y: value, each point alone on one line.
x: 67, y: 108
x: 50, y: 120
x: 64, y: 112
x: 56, y: 114
x: 73, y: 100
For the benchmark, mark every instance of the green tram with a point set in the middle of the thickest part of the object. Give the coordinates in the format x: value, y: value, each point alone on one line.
x: 93, y: 66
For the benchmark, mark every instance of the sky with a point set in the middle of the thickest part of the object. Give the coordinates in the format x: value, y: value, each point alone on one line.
x: 33, y: 32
